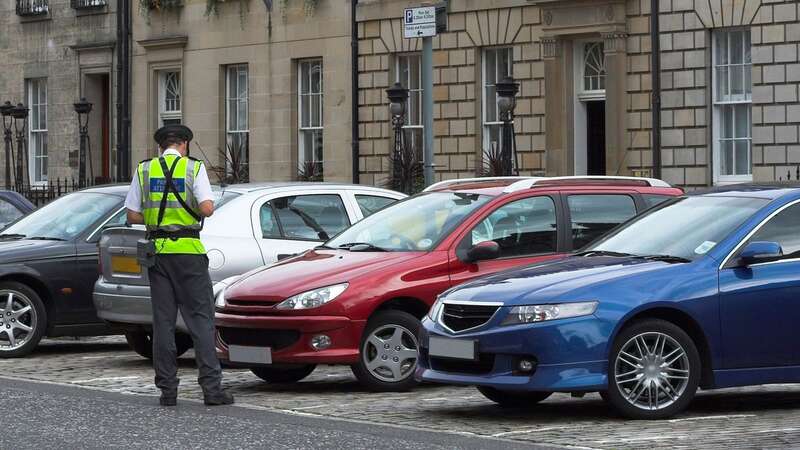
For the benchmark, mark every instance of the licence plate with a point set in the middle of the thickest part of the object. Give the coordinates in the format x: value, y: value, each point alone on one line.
x: 453, y: 348
x: 125, y: 264
x: 253, y: 355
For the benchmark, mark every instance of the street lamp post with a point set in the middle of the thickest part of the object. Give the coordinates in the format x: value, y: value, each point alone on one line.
x: 20, y: 115
x: 83, y: 108
x: 8, y: 139
x: 402, y: 164
x: 507, y: 90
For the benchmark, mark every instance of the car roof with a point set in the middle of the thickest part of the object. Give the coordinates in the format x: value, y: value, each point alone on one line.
x: 282, y: 185
x: 496, y: 186
x: 769, y: 191
x: 116, y: 189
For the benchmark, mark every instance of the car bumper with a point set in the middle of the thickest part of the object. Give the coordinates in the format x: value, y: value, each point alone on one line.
x: 289, y: 337
x: 569, y: 356
x: 127, y: 305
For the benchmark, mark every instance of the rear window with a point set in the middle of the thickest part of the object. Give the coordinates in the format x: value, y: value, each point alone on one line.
x: 594, y: 215
x: 651, y: 200
x: 221, y: 197
x: 370, y: 204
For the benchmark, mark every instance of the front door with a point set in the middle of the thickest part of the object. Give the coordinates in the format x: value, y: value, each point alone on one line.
x: 760, y: 304
x: 596, y: 138
x: 525, y: 229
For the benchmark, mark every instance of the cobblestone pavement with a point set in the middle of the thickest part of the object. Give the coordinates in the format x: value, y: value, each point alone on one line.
x: 758, y: 417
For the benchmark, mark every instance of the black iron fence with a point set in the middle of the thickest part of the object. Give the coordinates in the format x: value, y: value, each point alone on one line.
x: 88, y: 4
x: 42, y: 193
x: 32, y: 7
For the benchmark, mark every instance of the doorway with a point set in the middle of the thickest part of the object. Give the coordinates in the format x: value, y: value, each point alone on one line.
x: 596, y: 138
x: 96, y: 89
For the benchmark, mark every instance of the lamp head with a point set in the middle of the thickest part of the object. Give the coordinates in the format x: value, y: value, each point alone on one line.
x: 82, y: 106
x: 397, y: 99
x: 5, y: 109
x: 19, y: 112
x: 507, y: 90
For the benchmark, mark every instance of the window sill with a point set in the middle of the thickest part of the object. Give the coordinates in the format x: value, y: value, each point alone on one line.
x: 35, y: 18
x: 91, y: 11
x: 724, y: 180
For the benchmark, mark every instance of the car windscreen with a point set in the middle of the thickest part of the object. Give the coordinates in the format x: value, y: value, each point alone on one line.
x: 221, y: 197
x: 66, y: 217
x: 687, y: 227
x: 415, y: 224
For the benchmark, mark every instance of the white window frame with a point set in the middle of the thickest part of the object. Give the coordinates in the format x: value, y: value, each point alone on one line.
x: 580, y: 60
x: 412, y: 125
x: 486, y: 125
x: 38, y: 134
x: 232, y: 73
x: 303, y: 130
x: 165, y: 114
x: 719, y: 104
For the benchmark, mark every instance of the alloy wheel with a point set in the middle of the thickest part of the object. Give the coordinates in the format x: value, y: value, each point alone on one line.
x: 18, y: 320
x: 652, y: 371
x: 390, y: 353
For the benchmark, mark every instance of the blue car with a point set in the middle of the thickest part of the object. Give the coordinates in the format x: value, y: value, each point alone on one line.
x: 701, y: 291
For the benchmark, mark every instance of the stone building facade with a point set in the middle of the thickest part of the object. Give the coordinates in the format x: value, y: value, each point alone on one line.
x: 54, y: 52
x: 729, y: 80
x: 270, y: 85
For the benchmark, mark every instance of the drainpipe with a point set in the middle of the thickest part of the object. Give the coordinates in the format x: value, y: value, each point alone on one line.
x: 354, y: 89
x: 655, y: 71
x: 123, y: 89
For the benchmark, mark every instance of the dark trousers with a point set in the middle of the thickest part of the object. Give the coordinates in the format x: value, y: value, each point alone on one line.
x: 182, y: 282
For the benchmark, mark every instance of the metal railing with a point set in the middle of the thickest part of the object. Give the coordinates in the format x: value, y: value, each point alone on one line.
x: 42, y: 193
x: 88, y: 4
x: 32, y: 7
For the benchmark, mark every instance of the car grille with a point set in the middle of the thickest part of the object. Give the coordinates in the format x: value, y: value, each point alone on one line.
x: 275, y: 339
x: 483, y: 365
x: 251, y: 303
x: 460, y: 317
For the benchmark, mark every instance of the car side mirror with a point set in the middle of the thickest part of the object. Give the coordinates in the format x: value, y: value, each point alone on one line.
x: 482, y: 251
x: 760, y: 251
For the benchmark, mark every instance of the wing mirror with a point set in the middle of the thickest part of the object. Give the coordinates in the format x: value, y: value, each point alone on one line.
x: 760, y: 251
x: 482, y: 251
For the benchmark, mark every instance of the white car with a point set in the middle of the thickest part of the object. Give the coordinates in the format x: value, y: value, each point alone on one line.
x: 253, y: 225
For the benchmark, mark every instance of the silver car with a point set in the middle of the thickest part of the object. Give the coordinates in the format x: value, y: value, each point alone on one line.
x: 254, y: 225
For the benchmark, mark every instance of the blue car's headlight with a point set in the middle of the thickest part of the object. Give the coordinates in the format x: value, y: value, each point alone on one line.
x: 541, y: 313
x: 433, y: 313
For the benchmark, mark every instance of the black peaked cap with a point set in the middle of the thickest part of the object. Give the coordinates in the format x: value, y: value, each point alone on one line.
x: 180, y: 131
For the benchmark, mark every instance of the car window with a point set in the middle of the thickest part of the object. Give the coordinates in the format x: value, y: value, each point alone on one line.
x: 269, y: 223
x: 8, y: 213
x: 370, y: 204
x: 315, y: 217
x: 118, y: 220
x: 523, y: 227
x: 784, y: 229
x: 651, y: 200
x: 594, y: 215
x: 67, y: 216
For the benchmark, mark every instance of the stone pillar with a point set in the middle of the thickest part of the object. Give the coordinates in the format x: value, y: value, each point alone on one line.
x: 558, y: 87
x: 616, y: 74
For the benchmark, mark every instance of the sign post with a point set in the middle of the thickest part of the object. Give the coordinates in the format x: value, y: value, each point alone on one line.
x: 425, y: 22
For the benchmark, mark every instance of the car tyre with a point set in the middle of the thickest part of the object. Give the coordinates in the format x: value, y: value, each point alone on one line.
x: 20, y: 307
x: 513, y: 399
x: 283, y: 374
x: 389, y: 335
x: 141, y: 342
x: 666, y: 370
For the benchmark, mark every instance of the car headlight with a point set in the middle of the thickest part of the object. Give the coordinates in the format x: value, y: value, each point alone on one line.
x: 219, y: 301
x: 541, y: 313
x: 433, y: 313
x: 313, y: 298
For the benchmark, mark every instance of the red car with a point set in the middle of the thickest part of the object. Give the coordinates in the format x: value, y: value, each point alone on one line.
x: 359, y: 299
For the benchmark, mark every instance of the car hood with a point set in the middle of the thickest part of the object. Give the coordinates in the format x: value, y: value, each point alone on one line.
x: 313, y: 269
x: 12, y: 251
x: 571, y: 279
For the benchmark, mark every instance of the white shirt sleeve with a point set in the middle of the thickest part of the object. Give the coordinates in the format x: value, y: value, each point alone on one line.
x: 133, y: 200
x: 202, y: 186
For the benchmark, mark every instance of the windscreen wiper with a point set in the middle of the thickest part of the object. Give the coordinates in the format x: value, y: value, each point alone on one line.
x: 46, y: 238
x: 12, y: 236
x: 602, y: 253
x: 362, y: 247
x: 665, y: 258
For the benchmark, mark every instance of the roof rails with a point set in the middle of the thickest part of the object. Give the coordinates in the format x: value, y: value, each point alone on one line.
x: 457, y: 181
x: 583, y: 179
